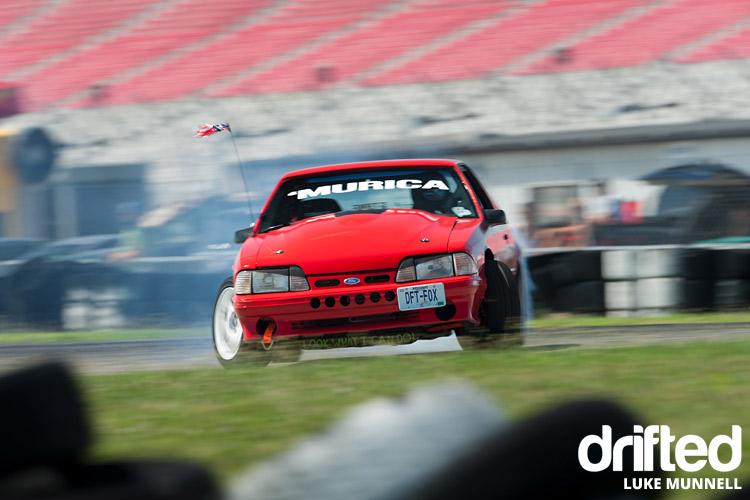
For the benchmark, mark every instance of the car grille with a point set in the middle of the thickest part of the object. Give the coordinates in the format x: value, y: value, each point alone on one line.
x: 331, y: 281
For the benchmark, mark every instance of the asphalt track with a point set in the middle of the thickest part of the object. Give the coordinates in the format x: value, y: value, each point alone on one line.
x: 118, y: 356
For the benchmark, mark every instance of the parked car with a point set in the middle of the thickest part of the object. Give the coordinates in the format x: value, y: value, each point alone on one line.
x: 32, y: 284
x: 697, y: 202
x: 10, y: 248
x: 368, y: 253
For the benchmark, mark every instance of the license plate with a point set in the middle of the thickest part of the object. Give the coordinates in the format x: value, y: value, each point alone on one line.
x: 421, y: 296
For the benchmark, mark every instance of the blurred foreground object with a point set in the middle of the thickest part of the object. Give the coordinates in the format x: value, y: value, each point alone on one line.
x: 45, y: 436
x: 383, y: 449
x: 446, y: 442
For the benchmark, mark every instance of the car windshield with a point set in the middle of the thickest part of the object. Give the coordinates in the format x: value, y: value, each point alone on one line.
x: 431, y: 189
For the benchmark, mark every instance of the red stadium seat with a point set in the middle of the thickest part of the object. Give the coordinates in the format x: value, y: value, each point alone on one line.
x: 508, y: 39
x: 55, y: 30
x: 735, y: 45
x: 362, y: 49
x: 290, y: 28
x: 649, y: 36
x: 82, y: 53
x: 164, y: 32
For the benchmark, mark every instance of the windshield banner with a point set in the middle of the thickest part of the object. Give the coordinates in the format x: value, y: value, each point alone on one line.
x: 350, y: 187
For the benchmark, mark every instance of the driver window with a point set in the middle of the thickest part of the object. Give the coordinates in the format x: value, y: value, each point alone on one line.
x: 484, y: 199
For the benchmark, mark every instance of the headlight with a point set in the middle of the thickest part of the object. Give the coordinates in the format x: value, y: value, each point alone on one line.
x: 435, y: 266
x: 429, y: 268
x: 270, y: 280
x: 282, y: 279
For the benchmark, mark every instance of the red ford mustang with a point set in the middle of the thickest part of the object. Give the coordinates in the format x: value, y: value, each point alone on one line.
x: 359, y: 254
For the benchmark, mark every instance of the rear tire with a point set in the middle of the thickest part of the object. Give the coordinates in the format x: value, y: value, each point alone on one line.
x: 228, y: 334
x: 500, y: 310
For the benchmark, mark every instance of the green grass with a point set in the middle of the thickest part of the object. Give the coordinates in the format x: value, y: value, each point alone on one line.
x: 573, y: 321
x: 548, y: 321
x: 228, y: 419
x: 38, y: 337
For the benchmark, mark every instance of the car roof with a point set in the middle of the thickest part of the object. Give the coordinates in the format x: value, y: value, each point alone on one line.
x: 419, y: 162
x: 698, y: 174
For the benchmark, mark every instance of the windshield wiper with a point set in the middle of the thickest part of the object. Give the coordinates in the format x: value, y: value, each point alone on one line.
x: 277, y: 226
x: 366, y: 211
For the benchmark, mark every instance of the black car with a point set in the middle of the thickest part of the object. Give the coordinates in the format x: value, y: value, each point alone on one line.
x: 699, y: 202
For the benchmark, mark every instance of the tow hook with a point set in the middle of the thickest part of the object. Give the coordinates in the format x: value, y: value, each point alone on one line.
x: 268, y: 336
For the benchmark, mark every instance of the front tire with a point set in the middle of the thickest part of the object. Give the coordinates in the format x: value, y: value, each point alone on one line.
x: 501, y: 312
x: 228, y: 334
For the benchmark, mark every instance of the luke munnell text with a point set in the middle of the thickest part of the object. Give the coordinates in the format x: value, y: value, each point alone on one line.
x: 684, y: 483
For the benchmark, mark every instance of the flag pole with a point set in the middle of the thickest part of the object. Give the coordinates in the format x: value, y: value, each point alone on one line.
x: 242, y: 171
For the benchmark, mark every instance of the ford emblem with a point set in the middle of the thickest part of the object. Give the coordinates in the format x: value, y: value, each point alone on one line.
x: 351, y: 281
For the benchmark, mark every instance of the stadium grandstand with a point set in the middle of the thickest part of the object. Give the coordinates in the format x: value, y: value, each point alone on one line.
x: 125, y: 80
x: 80, y: 53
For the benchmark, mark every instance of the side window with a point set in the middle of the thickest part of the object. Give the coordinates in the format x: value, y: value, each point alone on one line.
x: 484, y: 199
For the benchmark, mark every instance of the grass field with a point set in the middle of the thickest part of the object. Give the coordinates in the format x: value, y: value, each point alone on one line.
x: 84, y: 336
x: 549, y: 321
x: 574, y: 321
x: 230, y: 419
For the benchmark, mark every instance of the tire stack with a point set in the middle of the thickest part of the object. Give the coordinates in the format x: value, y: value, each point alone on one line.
x: 698, y: 269
x: 731, y: 288
x: 574, y: 282
x: 618, y: 282
x: 642, y: 281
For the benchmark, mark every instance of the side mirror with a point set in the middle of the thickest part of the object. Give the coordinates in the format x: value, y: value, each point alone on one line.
x: 495, y: 217
x: 243, y: 234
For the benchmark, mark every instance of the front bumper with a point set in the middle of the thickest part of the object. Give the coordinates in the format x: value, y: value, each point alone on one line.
x: 355, y: 309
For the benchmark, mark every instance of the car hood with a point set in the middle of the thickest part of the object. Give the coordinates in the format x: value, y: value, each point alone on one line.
x: 351, y: 242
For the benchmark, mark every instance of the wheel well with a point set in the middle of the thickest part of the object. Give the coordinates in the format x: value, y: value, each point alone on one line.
x: 488, y: 256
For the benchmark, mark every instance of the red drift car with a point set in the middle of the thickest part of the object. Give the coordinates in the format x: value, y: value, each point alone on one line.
x: 368, y: 253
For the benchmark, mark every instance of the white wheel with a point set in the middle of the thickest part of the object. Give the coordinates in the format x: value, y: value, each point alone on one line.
x: 227, y: 329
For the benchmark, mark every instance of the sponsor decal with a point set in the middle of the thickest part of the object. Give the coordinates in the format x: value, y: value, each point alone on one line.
x: 691, y: 454
x: 351, y: 187
x: 363, y: 341
x: 351, y: 281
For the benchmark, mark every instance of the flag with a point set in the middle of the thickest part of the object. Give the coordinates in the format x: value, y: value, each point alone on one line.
x: 207, y: 129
